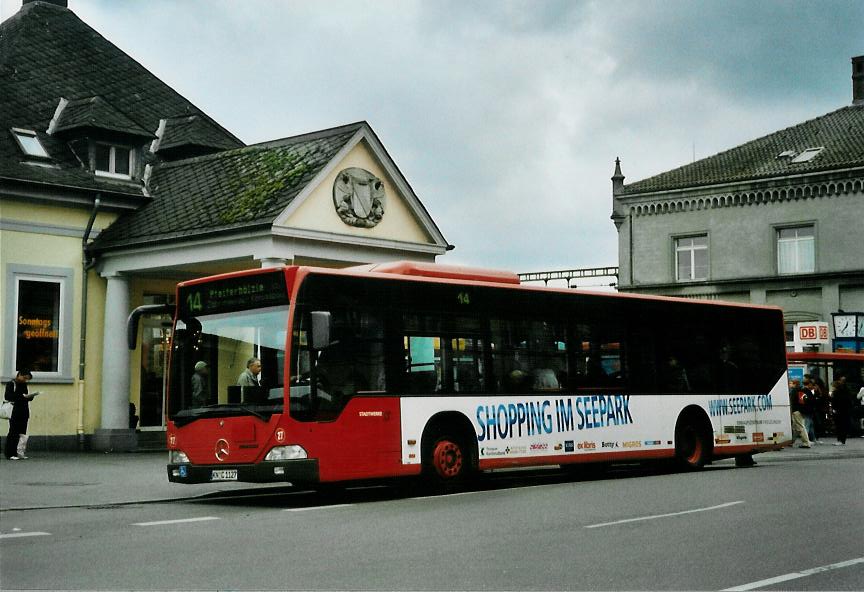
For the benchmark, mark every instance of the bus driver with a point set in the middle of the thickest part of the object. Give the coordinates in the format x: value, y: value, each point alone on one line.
x: 251, y: 376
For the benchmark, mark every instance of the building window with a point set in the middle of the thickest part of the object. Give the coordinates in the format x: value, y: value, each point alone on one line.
x: 808, y: 154
x: 113, y: 161
x: 691, y: 258
x: 29, y: 143
x: 796, y: 250
x: 37, y: 339
x: 39, y: 328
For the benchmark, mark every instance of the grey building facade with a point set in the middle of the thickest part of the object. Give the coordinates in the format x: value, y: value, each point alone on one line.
x: 778, y: 220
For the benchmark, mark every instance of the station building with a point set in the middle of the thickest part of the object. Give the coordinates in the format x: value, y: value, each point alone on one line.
x: 114, y: 187
x: 777, y: 221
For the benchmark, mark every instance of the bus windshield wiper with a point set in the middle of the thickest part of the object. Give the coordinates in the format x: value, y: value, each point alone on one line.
x: 250, y: 411
x: 217, y: 410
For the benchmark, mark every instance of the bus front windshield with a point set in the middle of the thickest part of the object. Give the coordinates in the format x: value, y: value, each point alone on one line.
x: 228, y: 363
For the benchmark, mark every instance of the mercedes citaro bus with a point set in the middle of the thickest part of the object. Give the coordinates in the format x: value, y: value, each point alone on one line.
x: 405, y: 368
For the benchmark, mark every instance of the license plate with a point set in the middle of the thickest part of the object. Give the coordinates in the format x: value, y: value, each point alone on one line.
x: 223, y: 475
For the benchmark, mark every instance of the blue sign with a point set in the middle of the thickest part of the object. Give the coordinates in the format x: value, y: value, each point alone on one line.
x: 796, y: 373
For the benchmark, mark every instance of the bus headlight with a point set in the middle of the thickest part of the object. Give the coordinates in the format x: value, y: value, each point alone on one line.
x: 177, y: 457
x: 292, y: 452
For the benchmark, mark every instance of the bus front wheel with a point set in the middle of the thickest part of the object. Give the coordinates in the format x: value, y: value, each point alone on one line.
x: 448, y: 461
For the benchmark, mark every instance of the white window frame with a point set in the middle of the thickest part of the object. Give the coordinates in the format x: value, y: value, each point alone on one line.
x: 62, y: 276
x: 19, y: 134
x: 690, y: 252
x: 112, y: 163
x: 808, y: 154
x: 797, y: 242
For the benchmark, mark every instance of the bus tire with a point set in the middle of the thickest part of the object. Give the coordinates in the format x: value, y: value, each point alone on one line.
x: 692, y: 441
x: 447, y: 462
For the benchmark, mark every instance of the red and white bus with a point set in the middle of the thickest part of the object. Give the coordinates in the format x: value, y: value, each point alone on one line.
x: 825, y: 368
x: 405, y: 368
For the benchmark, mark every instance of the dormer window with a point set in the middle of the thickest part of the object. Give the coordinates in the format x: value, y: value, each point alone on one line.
x: 111, y: 160
x: 29, y: 143
x: 808, y: 154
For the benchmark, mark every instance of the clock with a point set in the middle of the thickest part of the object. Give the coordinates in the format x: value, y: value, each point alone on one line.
x: 844, y: 325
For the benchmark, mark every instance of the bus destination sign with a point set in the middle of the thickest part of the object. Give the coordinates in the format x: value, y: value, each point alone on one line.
x: 232, y: 294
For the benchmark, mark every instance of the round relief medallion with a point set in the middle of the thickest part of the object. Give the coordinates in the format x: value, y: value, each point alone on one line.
x: 358, y: 196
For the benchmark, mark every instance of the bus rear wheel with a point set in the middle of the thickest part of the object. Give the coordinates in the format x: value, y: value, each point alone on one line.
x: 692, y: 446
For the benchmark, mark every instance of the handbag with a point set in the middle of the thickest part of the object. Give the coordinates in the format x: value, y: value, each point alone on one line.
x: 6, y: 410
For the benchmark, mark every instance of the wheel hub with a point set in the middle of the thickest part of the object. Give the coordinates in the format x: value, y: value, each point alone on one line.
x: 447, y: 459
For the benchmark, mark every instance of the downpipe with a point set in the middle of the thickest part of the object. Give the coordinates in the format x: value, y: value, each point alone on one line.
x: 87, y: 263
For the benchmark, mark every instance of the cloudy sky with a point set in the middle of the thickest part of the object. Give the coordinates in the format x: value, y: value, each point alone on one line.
x: 505, y: 116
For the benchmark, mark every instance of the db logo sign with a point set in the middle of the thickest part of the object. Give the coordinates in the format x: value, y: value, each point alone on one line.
x: 172, y: 440
x: 280, y: 435
x: 812, y: 332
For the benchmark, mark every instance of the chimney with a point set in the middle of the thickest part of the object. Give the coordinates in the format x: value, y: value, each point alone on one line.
x: 858, y: 80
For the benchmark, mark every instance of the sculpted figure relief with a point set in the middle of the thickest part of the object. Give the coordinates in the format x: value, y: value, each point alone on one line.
x: 359, y: 197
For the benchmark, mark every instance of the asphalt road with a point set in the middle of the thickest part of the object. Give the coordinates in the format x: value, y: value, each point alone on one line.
x: 778, y: 526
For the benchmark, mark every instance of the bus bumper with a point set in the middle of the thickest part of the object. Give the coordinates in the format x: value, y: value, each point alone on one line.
x: 303, y: 471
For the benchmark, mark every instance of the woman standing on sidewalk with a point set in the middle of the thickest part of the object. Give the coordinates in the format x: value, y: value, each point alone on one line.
x: 16, y: 391
x: 841, y: 400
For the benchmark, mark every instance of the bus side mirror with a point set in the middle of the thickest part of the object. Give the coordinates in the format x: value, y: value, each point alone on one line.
x: 320, y: 334
x: 135, y: 316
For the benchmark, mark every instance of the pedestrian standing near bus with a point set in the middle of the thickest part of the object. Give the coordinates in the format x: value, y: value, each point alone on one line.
x: 17, y: 393
x: 798, y: 402
x: 841, y: 400
x: 811, y: 410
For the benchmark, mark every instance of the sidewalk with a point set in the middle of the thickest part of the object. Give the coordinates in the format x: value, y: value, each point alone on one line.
x: 63, y: 479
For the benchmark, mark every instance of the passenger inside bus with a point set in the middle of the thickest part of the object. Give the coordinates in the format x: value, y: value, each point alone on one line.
x: 675, y: 376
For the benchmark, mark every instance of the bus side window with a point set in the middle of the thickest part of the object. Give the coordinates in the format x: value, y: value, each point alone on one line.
x: 599, y: 360
x: 467, y: 364
x: 436, y: 364
x: 422, y: 364
x: 529, y: 356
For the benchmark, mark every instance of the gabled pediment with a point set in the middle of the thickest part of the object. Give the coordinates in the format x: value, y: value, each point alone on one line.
x: 360, y: 195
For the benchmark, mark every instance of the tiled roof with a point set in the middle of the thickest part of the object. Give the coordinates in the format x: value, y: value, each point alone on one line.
x: 840, y: 134
x: 47, y: 52
x: 95, y: 112
x: 192, y: 130
x: 237, y: 189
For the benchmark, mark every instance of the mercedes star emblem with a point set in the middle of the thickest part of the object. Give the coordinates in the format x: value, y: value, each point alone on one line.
x: 221, y: 449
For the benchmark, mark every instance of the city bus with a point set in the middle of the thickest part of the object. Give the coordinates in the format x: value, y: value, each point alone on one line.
x: 825, y: 368
x: 420, y: 369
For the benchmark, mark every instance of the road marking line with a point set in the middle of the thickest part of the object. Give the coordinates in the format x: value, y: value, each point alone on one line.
x: 795, y: 575
x: 445, y: 495
x: 656, y: 516
x: 16, y: 535
x: 317, y: 508
x: 180, y: 521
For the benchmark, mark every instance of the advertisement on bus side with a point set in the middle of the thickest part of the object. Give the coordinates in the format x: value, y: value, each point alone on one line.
x: 582, y: 424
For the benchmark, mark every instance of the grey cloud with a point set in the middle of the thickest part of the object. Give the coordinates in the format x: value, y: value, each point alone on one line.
x: 505, y: 117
